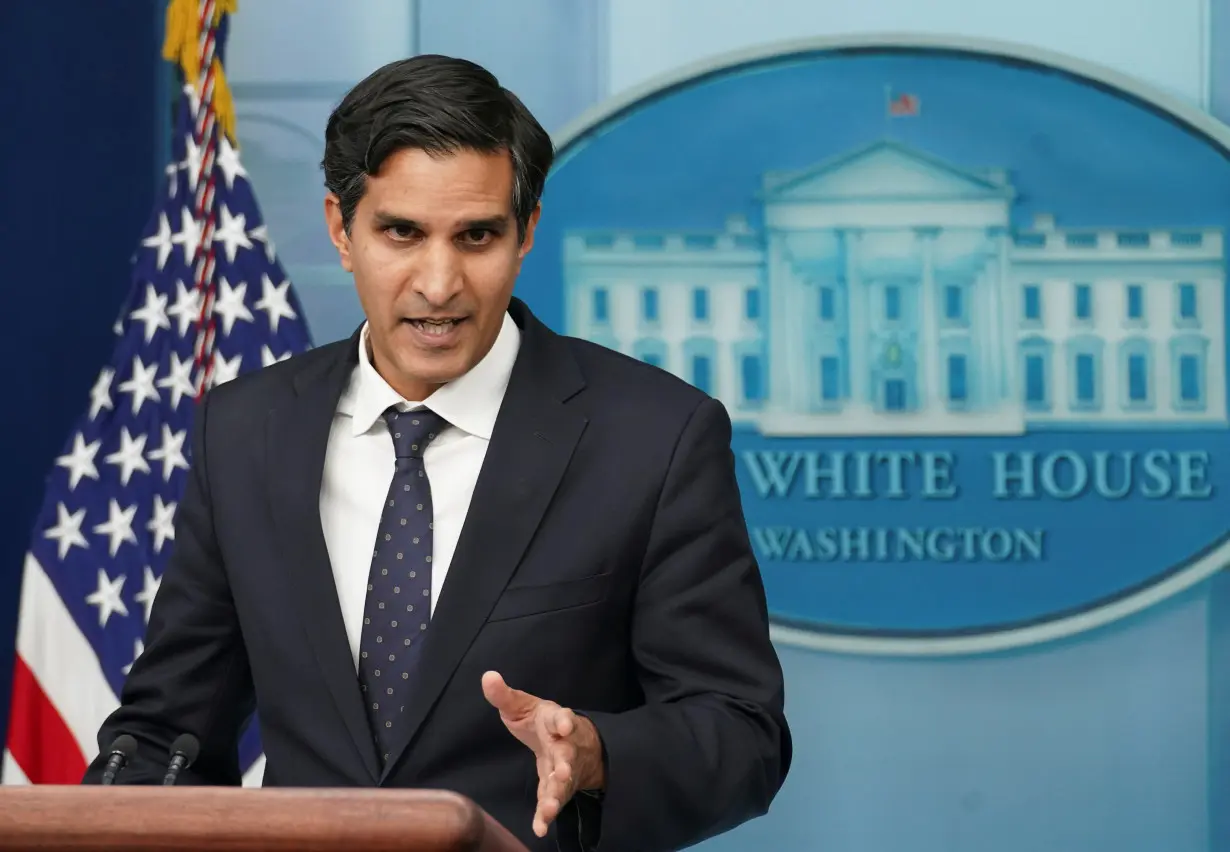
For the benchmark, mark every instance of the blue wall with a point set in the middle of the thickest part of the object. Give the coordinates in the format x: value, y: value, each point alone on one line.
x: 81, y: 101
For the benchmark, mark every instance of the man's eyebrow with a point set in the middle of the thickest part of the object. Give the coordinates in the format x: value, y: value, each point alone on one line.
x: 499, y: 224
x: 392, y: 220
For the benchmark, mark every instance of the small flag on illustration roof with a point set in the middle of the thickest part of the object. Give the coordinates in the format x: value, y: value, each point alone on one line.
x: 902, y: 104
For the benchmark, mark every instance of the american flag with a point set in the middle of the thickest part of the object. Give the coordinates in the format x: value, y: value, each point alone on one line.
x: 209, y: 300
x: 903, y: 104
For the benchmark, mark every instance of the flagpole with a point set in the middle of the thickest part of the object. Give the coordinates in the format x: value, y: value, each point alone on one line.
x: 205, y: 131
x: 192, y: 41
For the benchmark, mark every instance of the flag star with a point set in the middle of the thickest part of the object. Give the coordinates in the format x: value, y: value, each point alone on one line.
x: 141, y: 385
x: 232, y: 233
x: 230, y: 305
x: 100, y: 394
x: 145, y: 597
x: 162, y: 525
x: 187, y: 307
x: 173, y: 178
x: 261, y: 234
x: 161, y: 240
x: 194, y: 100
x: 107, y: 597
x: 80, y: 460
x: 275, y: 301
x: 224, y: 370
x: 67, y: 530
x: 171, y: 453
x: 228, y: 161
x: 138, y: 650
x: 267, y: 356
x: 153, y: 313
x: 192, y: 160
x: 188, y: 237
x: 118, y: 526
x: 129, y: 456
x: 179, y: 379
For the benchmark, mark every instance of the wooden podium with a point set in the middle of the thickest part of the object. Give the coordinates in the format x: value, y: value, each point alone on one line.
x: 196, y: 819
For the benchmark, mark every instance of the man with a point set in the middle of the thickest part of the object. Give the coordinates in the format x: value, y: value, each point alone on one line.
x: 458, y: 550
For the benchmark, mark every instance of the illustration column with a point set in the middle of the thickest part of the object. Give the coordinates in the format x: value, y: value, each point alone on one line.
x: 930, y: 395
x: 856, y: 300
x: 986, y: 327
x: 782, y: 324
x: 1003, y: 327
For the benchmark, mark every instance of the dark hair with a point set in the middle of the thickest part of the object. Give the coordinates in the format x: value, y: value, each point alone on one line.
x: 440, y: 105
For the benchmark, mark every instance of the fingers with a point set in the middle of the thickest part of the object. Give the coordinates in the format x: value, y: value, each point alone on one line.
x: 548, y: 730
x: 561, y: 722
x: 555, y: 788
x: 546, y: 765
x: 555, y: 758
x: 512, y: 703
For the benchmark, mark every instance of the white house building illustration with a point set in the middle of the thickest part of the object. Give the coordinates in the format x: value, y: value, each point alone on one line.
x: 887, y: 293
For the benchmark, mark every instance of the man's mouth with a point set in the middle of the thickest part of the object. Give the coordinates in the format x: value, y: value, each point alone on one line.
x: 435, y: 327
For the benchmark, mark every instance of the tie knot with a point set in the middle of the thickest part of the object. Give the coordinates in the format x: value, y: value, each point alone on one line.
x: 412, y: 431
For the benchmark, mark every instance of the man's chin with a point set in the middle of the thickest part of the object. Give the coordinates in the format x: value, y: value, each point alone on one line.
x: 436, y: 370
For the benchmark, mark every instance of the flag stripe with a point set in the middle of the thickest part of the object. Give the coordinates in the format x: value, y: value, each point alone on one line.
x: 10, y: 772
x: 256, y: 773
x: 62, y: 663
x: 47, y: 747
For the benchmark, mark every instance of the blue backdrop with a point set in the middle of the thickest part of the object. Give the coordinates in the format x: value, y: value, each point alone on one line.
x: 1091, y: 158
x: 83, y: 94
x: 1113, y: 738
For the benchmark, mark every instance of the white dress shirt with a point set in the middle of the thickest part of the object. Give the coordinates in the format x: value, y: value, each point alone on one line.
x: 359, y: 466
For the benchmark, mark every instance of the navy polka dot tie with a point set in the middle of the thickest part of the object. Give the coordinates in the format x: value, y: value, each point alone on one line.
x: 398, y: 604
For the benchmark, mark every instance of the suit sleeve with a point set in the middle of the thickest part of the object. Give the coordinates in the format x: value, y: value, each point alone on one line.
x: 193, y: 675
x: 710, y: 747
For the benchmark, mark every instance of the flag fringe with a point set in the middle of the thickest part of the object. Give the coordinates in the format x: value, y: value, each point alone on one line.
x: 182, y: 45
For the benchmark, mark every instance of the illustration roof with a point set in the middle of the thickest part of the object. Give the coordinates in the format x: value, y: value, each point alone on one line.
x: 885, y: 169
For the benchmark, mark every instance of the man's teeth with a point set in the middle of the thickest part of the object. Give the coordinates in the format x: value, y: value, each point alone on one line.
x: 438, y: 327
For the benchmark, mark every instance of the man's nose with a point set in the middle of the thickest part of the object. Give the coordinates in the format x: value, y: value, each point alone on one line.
x: 439, y: 276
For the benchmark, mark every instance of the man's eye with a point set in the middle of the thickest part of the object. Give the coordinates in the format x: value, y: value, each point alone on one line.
x: 400, y: 232
x: 477, y: 236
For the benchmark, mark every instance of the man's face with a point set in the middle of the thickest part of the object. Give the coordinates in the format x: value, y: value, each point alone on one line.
x: 434, y: 252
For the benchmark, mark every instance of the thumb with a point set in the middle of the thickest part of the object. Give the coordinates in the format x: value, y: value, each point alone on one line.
x: 510, y: 702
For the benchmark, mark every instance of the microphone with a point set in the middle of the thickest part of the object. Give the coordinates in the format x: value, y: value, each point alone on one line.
x: 183, y: 751
x: 122, y: 749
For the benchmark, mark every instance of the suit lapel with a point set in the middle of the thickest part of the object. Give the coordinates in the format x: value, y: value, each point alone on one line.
x: 532, y: 443
x: 297, y: 440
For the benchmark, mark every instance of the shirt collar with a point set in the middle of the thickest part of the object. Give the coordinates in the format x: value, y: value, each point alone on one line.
x: 470, y: 402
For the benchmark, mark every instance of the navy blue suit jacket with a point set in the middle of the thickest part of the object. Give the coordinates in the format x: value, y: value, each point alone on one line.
x: 604, y: 564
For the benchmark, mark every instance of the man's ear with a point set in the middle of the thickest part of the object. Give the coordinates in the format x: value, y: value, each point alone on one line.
x: 528, y: 242
x: 337, y: 229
